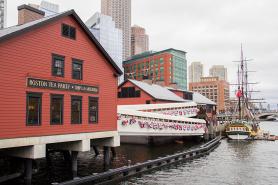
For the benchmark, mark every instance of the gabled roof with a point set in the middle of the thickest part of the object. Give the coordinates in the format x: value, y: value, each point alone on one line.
x: 156, y: 91
x: 200, y: 99
x: 13, y: 31
x: 181, y: 90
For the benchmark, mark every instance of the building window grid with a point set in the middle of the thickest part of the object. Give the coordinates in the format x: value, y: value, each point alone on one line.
x: 129, y: 92
x: 93, y: 109
x: 33, y: 108
x: 76, y: 109
x: 58, y: 65
x: 77, y: 69
x: 68, y: 31
x: 56, y: 109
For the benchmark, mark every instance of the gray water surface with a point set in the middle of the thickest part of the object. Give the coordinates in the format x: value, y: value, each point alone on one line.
x: 232, y: 163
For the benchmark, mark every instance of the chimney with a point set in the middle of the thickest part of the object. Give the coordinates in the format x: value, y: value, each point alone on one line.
x: 28, y: 13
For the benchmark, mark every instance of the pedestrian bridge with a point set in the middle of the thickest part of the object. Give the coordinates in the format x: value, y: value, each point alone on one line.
x: 171, y: 119
x: 266, y: 115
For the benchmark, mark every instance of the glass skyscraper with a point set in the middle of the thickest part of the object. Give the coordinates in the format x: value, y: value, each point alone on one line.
x: 120, y: 11
x: 110, y: 37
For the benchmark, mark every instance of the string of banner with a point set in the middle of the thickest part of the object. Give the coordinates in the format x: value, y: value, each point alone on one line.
x: 180, y: 112
x: 158, y: 124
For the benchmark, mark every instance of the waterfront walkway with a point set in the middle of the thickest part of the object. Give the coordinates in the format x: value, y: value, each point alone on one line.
x: 171, y: 119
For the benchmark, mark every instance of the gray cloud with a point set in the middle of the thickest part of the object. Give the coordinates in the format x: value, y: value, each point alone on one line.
x: 210, y: 31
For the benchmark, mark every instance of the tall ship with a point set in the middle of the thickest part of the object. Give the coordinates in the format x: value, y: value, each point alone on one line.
x: 243, y: 124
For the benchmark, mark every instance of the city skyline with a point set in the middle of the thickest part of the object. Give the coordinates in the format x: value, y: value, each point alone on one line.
x: 110, y: 37
x: 120, y: 11
x: 139, y: 40
x: 195, y: 71
x: 219, y: 71
x: 212, y: 34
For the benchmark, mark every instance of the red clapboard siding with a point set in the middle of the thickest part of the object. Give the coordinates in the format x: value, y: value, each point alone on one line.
x: 30, y: 55
x: 179, y: 93
x: 138, y: 100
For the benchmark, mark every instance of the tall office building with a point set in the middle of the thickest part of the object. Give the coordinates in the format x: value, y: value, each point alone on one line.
x: 218, y: 71
x: 3, y: 14
x: 166, y: 68
x: 214, y: 89
x: 110, y: 37
x: 196, y: 71
x: 120, y: 11
x: 47, y: 7
x: 139, y: 40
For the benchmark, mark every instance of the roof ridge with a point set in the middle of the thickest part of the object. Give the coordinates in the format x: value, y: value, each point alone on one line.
x: 20, y: 29
x: 157, y: 91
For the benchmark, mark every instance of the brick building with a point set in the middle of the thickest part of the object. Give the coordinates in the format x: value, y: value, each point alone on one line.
x: 214, y: 89
x: 165, y: 67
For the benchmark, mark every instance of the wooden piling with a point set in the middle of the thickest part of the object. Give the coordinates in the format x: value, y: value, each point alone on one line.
x: 106, y: 153
x: 28, y: 171
x: 74, y: 155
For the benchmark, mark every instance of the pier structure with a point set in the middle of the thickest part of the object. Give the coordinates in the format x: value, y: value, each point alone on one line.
x: 152, y: 123
x: 135, y: 98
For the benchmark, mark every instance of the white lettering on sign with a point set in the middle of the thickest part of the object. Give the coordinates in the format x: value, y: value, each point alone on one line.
x: 38, y: 83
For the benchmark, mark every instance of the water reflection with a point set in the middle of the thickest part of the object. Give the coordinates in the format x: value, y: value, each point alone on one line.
x: 232, y: 163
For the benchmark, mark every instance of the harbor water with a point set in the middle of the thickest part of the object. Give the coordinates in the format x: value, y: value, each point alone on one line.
x: 233, y: 163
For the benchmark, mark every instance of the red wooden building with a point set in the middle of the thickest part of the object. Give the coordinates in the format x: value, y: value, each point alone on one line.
x: 138, y: 92
x: 58, y: 86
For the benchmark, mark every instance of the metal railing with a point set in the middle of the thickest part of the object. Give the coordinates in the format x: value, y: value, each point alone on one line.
x: 125, y: 172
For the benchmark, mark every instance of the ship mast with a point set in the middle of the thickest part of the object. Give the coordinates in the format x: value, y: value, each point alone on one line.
x: 238, y: 91
x: 243, y: 93
x: 241, y: 109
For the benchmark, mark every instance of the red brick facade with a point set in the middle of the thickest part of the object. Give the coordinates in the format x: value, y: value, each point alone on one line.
x: 164, y: 77
x: 214, y: 89
x: 27, y: 14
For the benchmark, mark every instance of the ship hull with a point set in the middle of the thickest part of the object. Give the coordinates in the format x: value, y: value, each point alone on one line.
x: 238, y: 135
x: 238, y: 131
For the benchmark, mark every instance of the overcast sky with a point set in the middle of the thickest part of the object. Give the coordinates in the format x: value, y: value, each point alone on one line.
x: 210, y: 31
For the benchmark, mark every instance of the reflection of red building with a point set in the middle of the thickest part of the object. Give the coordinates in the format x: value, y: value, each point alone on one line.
x: 137, y: 92
x: 52, y: 72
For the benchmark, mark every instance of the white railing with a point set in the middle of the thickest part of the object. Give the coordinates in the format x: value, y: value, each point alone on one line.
x: 186, y: 112
x: 188, y: 109
x: 134, y: 122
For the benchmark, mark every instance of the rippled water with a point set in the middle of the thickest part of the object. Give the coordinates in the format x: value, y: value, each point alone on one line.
x: 233, y: 163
